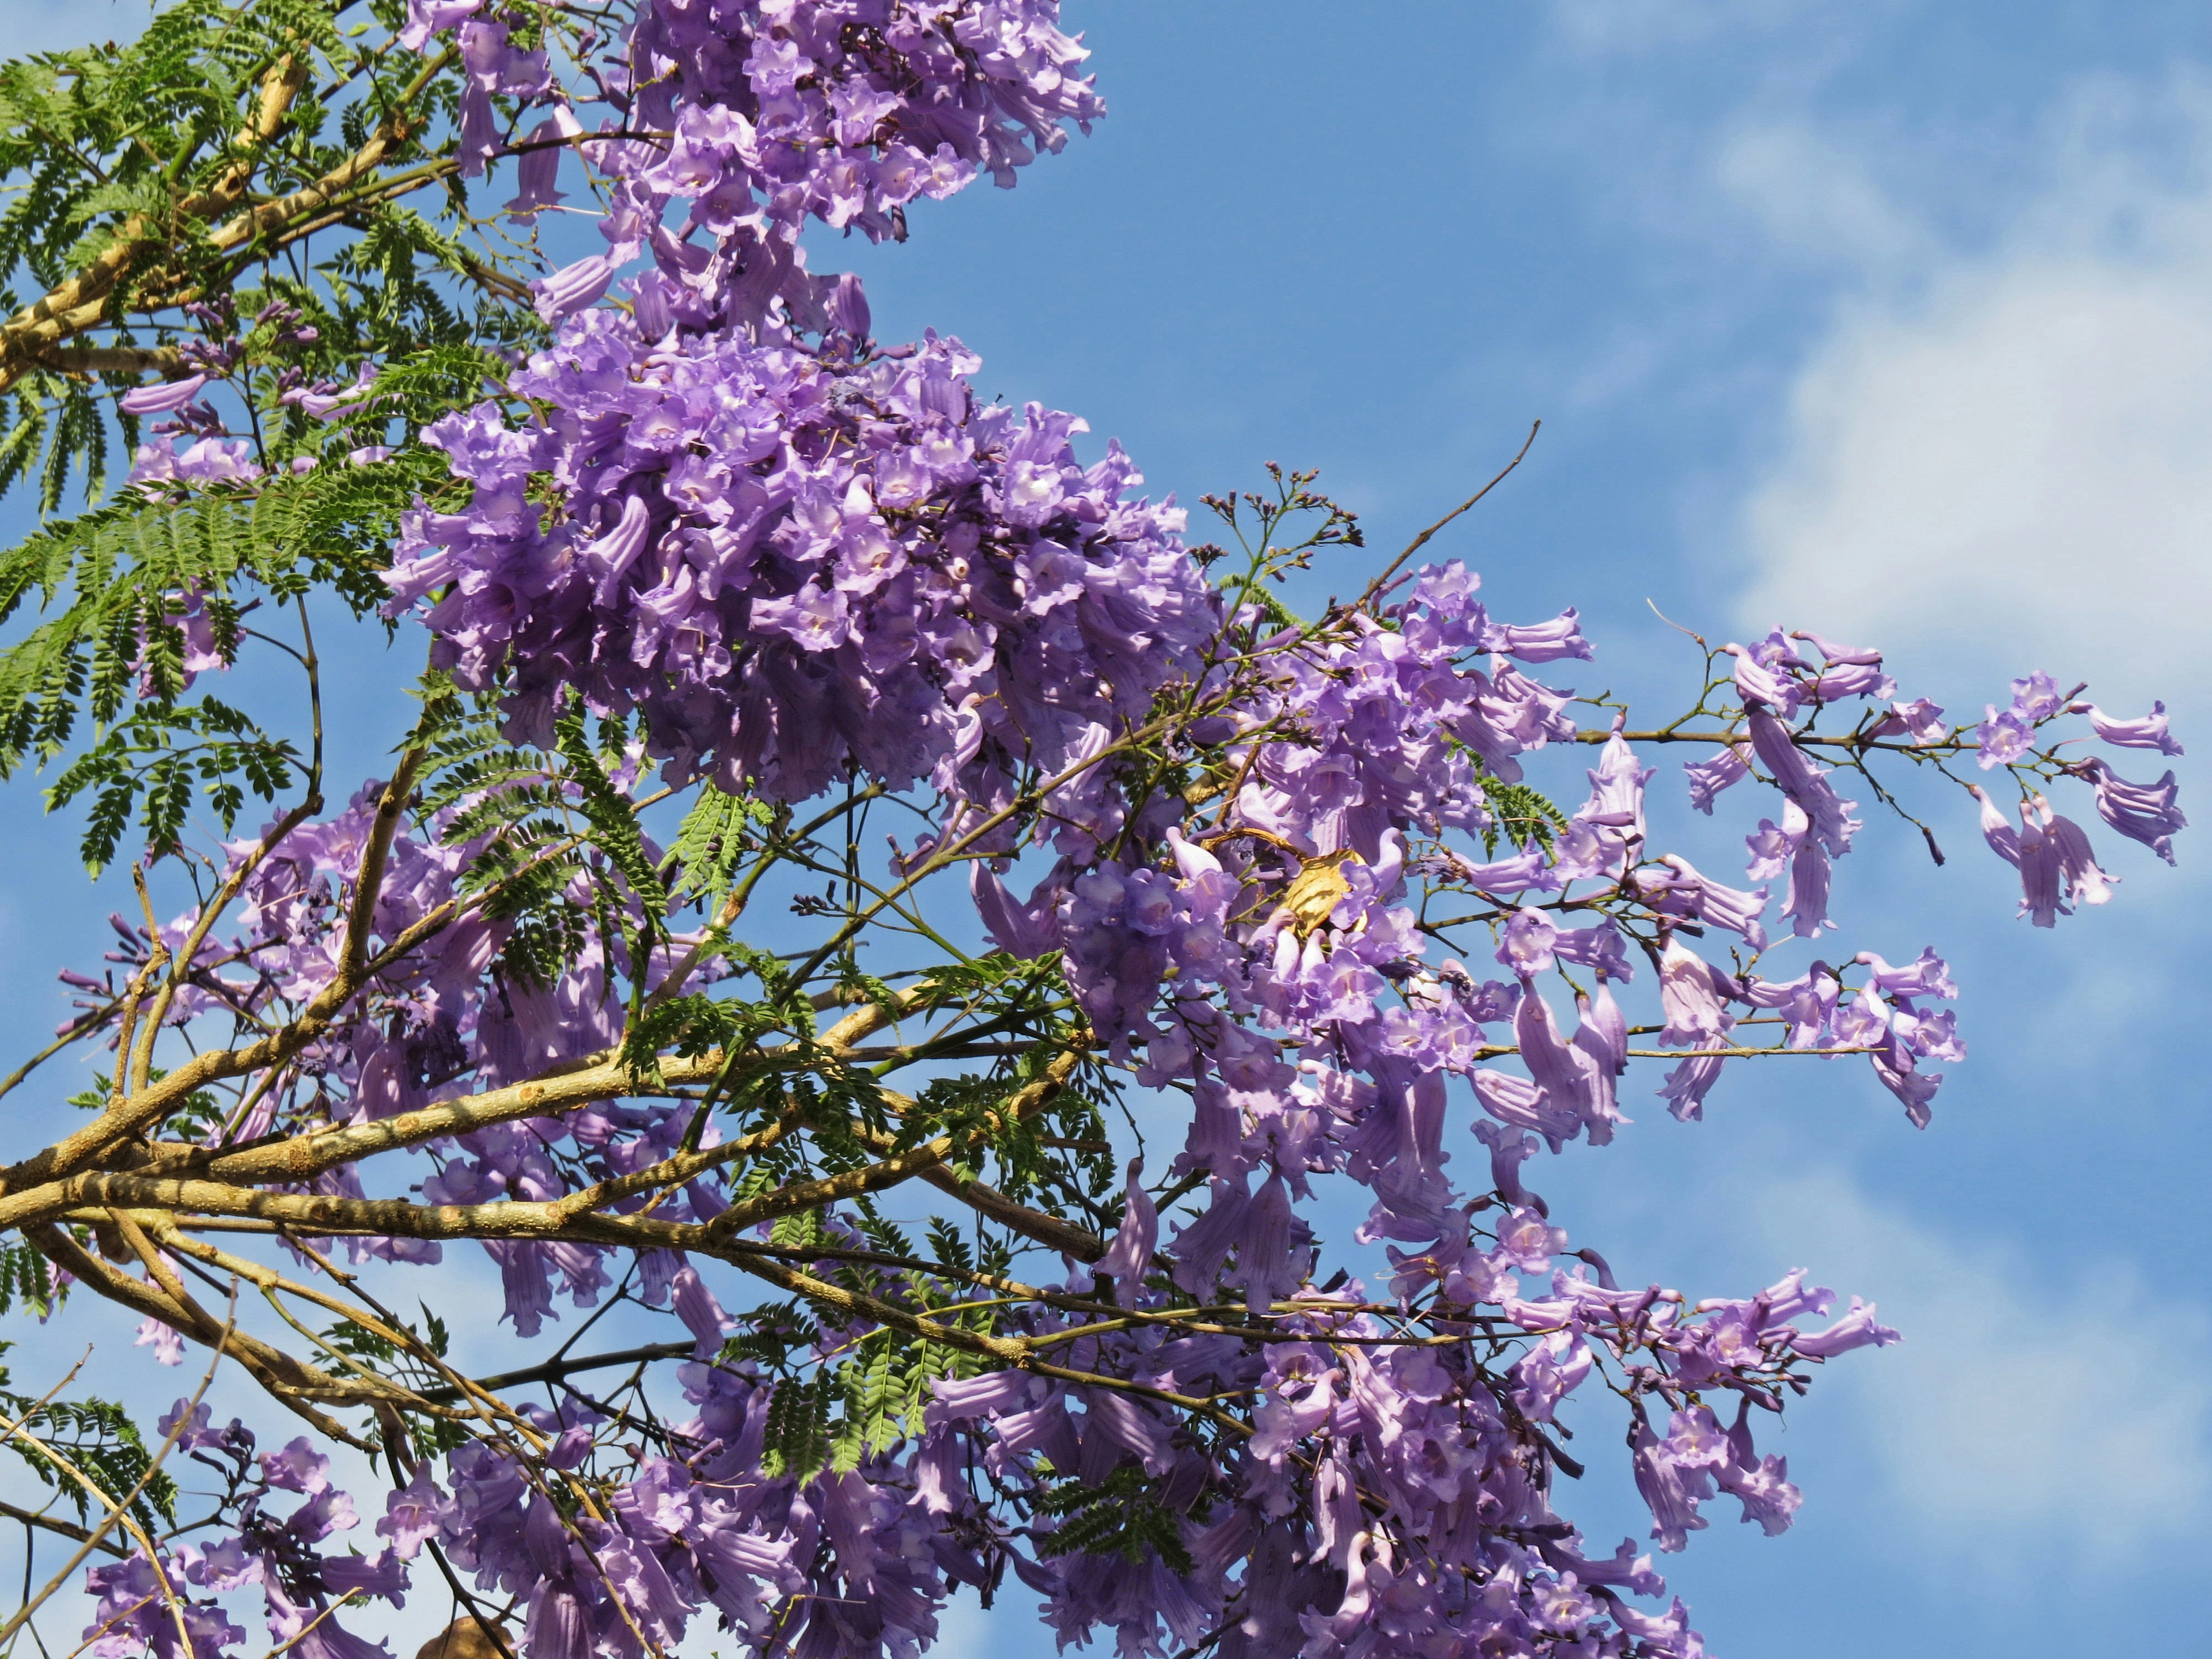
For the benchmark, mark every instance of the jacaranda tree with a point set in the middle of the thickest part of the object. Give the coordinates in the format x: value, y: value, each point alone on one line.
x: 830, y: 808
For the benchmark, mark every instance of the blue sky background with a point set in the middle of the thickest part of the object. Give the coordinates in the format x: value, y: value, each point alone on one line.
x: 1890, y: 320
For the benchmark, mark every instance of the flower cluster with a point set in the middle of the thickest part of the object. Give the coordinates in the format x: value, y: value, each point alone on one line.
x: 733, y: 126
x: 292, y: 1561
x: 827, y: 110
x: 792, y: 567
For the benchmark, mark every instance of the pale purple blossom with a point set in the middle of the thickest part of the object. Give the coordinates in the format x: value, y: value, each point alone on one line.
x: 163, y: 398
x: 2151, y: 732
x: 2141, y: 811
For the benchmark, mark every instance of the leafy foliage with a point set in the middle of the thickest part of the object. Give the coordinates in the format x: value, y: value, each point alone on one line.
x: 718, y: 833
x: 68, y: 1443
x: 151, y: 761
x: 24, y: 1278
x: 116, y: 591
x: 1121, y: 1516
x: 190, y: 1119
x: 1520, y: 815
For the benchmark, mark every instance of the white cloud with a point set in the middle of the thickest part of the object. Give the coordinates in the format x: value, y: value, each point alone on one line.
x: 1817, y: 197
x: 2006, y: 451
x: 2025, y: 1421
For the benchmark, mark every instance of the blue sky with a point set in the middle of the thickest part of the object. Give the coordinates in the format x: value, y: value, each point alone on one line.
x: 1889, y: 321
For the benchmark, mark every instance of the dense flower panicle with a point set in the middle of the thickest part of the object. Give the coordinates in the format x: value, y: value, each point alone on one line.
x: 734, y: 125
x: 789, y: 566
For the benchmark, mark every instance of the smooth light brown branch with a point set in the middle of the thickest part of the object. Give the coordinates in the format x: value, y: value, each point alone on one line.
x: 1050, y: 1230
x: 288, y: 1379
x: 81, y: 301
x: 266, y: 1279
x: 165, y: 361
x: 853, y: 1304
x: 368, y: 885
x: 127, y: 1044
x: 213, y: 1194
x: 685, y: 1166
x: 151, y: 1100
x: 600, y: 1076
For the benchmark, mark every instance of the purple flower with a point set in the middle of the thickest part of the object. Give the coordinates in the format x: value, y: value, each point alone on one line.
x: 1709, y: 777
x: 205, y: 461
x: 1687, y: 1084
x: 410, y: 1514
x: 1559, y: 1072
x: 1853, y: 656
x: 1525, y: 872
x: 1600, y: 947
x: 2003, y: 739
x: 1853, y: 680
x: 1021, y: 930
x: 168, y: 1344
x: 2084, y: 883
x: 1271, y: 1256
x: 582, y: 283
x: 1670, y: 1490
x: 1807, y: 1002
x: 1601, y: 1036
x: 2141, y: 811
x: 162, y: 399
x: 1856, y: 1329
x: 1759, y: 685
x: 196, y: 1434
x: 1538, y: 642
x: 1525, y: 947
x: 1791, y: 846
x: 298, y: 1468
x: 1893, y: 1066
x: 427, y: 17
x: 2004, y: 839
x: 2148, y: 733
x: 1690, y: 991
x: 1129, y: 1254
x: 1925, y: 976
x: 2041, y: 899
x: 816, y: 618
x: 695, y: 1306
x: 1682, y: 891
x: 1921, y: 718
x: 383, y: 1574
x: 1806, y: 904
x: 537, y: 172
x: 2035, y: 699
x: 1827, y: 813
